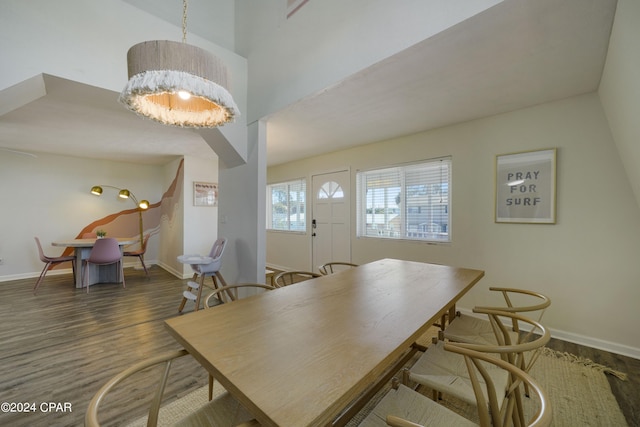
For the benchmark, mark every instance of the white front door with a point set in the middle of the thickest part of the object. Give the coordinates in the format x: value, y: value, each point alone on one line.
x: 331, y: 223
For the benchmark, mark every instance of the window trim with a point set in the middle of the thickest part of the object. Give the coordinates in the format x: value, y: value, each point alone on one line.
x: 361, y: 203
x: 269, y: 209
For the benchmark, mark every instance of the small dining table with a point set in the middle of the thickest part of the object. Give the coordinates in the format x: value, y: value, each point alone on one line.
x: 311, y: 353
x: 98, y: 273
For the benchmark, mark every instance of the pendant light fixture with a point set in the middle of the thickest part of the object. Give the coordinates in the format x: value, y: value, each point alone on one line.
x: 178, y: 84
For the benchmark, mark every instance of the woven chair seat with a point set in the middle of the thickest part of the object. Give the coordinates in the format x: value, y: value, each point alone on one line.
x: 222, y: 411
x: 440, y: 370
x: 471, y: 329
x: 409, y: 405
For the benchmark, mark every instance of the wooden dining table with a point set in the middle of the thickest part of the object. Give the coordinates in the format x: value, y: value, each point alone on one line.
x: 99, y: 273
x: 303, y: 354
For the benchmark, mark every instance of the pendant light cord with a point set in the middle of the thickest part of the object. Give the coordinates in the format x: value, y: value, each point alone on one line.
x: 184, y: 21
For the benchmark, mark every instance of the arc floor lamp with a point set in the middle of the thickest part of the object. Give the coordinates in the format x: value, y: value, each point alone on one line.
x: 123, y: 193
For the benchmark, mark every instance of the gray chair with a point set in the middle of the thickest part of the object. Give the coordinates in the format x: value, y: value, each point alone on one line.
x: 211, y: 269
x: 104, y: 252
x: 223, y: 410
x: 50, y: 261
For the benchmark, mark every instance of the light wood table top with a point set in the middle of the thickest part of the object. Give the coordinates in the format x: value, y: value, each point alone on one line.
x: 298, y: 355
x: 88, y: 243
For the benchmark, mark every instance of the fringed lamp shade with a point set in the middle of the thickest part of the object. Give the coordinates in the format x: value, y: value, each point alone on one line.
x: 162, y: 72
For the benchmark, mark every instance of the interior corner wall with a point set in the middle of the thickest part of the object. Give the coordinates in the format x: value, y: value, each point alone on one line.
x: 620, y: 88
x: 200, y: 222
x: 242, y: 212
x: 172, y: 219
x: 586, y: 262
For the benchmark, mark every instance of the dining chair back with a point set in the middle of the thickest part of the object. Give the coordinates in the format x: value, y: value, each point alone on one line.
x: 211, y: 269
x: 50, y: 261
x: 223, y: 410
x: 473, y: 329
x: 404, y: 407
x: 140, y: 253
x: 229, y: 293
x: 334, y: 267
x: 442, y: 372
x: 105, y: 251
x: 287, y: 278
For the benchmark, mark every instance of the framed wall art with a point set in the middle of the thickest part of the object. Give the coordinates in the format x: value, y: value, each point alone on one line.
x: 526, y: 187
x: 205, y: 193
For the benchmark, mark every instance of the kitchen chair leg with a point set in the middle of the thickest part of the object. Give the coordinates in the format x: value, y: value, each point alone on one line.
x: 184, y: 300
x: 199, y: 292
x: 210, y: 387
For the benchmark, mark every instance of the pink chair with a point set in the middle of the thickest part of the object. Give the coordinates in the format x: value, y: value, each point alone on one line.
x: 140, y: 253
x: 104, y: 252
x: 203, y: 270
x: 49, y: 261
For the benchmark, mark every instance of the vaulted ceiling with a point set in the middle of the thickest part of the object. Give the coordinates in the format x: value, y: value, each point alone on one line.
x: 514, y: 55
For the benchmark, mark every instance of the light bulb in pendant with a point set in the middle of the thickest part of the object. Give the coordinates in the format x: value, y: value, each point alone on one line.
x: 183, y: 94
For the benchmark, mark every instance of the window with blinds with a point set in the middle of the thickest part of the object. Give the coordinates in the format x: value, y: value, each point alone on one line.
x: 286, y: 203
x: 405, y: 202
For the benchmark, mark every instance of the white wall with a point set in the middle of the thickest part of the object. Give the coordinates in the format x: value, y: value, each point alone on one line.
x: 242, y: 212
x: 587, y: 262
x: 329, y: 40
x: 620, y: 88
x: 200, y: 222
x: 48, y: 196
x: 172, y: 224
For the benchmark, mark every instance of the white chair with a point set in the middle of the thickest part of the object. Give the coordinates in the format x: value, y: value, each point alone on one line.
x: 445, y: 373
x: 211, y: 269
x: 49, y: 261
x: 404, y: 407
x: 224, y: 410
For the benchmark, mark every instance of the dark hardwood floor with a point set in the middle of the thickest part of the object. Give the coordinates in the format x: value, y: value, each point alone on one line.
x: 62, y: 345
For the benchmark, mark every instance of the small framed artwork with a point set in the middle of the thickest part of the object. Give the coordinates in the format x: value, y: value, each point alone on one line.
x: 205, y: 193
x: 526, y: 187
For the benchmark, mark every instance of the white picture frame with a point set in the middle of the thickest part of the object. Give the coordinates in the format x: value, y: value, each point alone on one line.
x: 205, y: 193
x: 525, y: 187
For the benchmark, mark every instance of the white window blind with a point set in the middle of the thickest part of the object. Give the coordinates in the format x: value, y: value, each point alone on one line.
x: 405, y: 202
x: 286, y: 206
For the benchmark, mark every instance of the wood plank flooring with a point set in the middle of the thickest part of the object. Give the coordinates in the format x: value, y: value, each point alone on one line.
x: 62, y: 345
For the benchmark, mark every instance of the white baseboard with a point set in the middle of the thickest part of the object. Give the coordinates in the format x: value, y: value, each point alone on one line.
x: 178, y: 274
x: 584, y: 340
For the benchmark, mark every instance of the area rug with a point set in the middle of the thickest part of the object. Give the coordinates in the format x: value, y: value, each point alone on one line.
x: 577, y: 388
